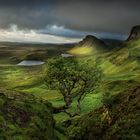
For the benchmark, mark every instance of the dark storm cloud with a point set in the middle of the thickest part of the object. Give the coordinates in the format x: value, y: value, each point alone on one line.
x: 23, y: 2
x: 31, y: 14
x: 114, y: 16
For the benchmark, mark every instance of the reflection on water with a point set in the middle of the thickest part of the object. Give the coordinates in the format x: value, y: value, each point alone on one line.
x: 30, y: 63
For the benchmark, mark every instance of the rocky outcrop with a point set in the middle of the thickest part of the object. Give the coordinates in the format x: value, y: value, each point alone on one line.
x: 135, y: 33
x: 91, y: 41
x: 22, y: 116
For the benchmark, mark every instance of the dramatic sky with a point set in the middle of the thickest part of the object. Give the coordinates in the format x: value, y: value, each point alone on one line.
x: 64, y: 21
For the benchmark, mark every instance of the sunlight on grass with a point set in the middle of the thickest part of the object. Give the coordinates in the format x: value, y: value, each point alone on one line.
x: 30, y: 80
x: 81, y: 51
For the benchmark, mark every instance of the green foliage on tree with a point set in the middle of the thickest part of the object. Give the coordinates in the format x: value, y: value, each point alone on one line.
x: 73, y: 80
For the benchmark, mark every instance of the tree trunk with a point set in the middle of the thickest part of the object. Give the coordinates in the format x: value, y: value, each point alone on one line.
x: 78, y: 107
x: 59, y: 109
x: 68, y: 100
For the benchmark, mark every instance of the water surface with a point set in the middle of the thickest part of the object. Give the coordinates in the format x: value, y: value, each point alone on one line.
x: 30, y: 63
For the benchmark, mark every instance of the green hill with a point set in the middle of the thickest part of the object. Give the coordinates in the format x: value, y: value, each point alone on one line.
x: 119, y: 116
x: 110, y: 112
x: 90, y: 45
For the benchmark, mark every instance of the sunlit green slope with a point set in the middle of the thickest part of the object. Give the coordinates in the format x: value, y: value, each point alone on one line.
x: 119, y: 116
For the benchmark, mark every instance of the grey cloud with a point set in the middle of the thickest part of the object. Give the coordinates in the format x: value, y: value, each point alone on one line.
x: 114, y: 16
x: 24, y: 2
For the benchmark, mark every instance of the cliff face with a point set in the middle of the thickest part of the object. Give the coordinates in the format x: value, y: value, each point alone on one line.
x: 135, y: 33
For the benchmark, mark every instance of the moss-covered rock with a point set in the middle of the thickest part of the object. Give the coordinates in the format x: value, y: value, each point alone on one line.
x: 23, y: 117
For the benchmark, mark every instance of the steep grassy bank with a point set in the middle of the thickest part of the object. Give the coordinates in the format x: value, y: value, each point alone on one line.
x: 23, y: 117
x: 118, y: 119
x: 119, y: 116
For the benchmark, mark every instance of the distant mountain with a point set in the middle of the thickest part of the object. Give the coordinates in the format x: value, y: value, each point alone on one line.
x: 129, y: 50
x: 88, y: 46
x: 135, y: 33
x: 112, y: 42
x: 91, y: 41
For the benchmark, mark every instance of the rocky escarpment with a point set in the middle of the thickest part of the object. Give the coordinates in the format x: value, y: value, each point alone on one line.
x: 135, y: 33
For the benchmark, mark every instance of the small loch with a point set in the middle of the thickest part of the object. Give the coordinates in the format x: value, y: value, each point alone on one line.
x: 30, y: 63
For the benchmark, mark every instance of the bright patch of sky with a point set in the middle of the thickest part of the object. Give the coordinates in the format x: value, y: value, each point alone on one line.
x: 14, y: 34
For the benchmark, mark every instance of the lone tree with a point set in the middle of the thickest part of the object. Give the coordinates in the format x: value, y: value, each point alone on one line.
x: 73, y: 80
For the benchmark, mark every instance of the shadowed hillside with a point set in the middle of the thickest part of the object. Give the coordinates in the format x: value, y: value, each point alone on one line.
x: 24, y: 117
x: 118, y: 119
x: 135, y: 33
